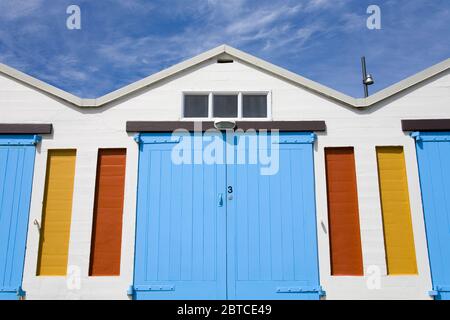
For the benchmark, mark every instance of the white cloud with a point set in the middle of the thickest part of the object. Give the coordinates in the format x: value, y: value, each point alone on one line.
x: 352, y: 22
x: 272, y: 26
x: 260, y: 19
x: 136, y: 5
x: 129, y: 43
x: 13, y: 9
x: 313, y: 5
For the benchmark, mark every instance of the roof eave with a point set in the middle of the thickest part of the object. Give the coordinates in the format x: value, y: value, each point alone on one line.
x: 240, y: 55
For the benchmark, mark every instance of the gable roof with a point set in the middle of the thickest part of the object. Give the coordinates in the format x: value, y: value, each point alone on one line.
x: 237, y: 54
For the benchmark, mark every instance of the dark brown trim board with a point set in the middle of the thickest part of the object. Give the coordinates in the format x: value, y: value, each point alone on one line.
x: 165, y: 126
x: 426, y: 125
x: 283, y: 125
x: 169, y: 126
x: 25, y: 128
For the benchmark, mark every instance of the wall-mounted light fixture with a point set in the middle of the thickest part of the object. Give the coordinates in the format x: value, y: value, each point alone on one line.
x: 224, y: 125
x: 367, y: 78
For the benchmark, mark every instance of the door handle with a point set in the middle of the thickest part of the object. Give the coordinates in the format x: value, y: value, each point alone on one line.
x: 220, y: 200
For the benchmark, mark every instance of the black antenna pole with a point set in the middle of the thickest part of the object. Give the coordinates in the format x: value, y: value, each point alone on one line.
x: 364, y: 74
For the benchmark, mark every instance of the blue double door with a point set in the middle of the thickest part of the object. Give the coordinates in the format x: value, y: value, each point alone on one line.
x: 222, y: 218
x: 433, y: 155
x: 17, y: 155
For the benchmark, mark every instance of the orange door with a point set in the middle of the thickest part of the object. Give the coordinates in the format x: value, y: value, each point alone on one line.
x: 108, y: 209
x: 343, y: 214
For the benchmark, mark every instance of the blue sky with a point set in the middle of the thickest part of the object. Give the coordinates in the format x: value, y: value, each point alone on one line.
x: 122, y: 41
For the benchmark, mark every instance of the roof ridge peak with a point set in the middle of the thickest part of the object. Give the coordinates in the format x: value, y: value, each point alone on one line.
x: 241, y: 55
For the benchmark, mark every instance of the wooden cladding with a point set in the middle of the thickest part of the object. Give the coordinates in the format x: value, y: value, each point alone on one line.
x: 397, y: 225
x: 108, y: 210
x: 343, y: 212
x: 57, y: 213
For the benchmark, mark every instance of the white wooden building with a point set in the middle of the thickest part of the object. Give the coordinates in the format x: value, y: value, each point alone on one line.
x: 254, y: 94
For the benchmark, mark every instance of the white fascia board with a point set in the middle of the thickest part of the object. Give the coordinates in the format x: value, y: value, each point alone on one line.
x: 405, y: 84
x: 138, y: 85
x: 290, y: 76
x: 40, y: 85
x: 245, y: 57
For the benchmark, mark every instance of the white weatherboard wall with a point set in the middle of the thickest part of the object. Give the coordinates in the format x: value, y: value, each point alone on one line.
x: 89, y: 129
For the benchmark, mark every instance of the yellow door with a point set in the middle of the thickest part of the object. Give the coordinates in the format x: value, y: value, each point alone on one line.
x: 57, y: 213
x: 398, y: 233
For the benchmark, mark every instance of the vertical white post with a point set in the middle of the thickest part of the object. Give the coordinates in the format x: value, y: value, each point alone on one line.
x: 269, y: 105
x: 240, y: 98
x: 210, y: 105
x: 183, y: 106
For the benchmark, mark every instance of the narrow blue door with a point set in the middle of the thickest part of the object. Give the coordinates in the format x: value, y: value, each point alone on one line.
x: 16, y: 174
x: 181, y: 221
x: 272, y: 245
x: 433, y: 154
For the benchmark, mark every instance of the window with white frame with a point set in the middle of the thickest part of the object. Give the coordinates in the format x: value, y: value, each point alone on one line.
x: 230, y: 105
x: 195, y: 106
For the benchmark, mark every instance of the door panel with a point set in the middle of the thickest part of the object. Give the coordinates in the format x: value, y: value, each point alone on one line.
x: 57, y: 213
x: 272, y: 248
x: 433, y: 154
x: 396, y: 212
x: 16, y: 175
x: 106, y: 240
x: 216, y: 231
x: 343, y: 212
x: 180, y: 242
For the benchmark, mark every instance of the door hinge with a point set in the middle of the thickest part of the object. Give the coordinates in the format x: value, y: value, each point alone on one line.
x: 301, y: 290
x: 437, y: 290
x: 307, y: 138
x: 132, y: 289
x: 24, y: 141
x: 139, y: 138
x: 19, y: 291
x: 429, y: 136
